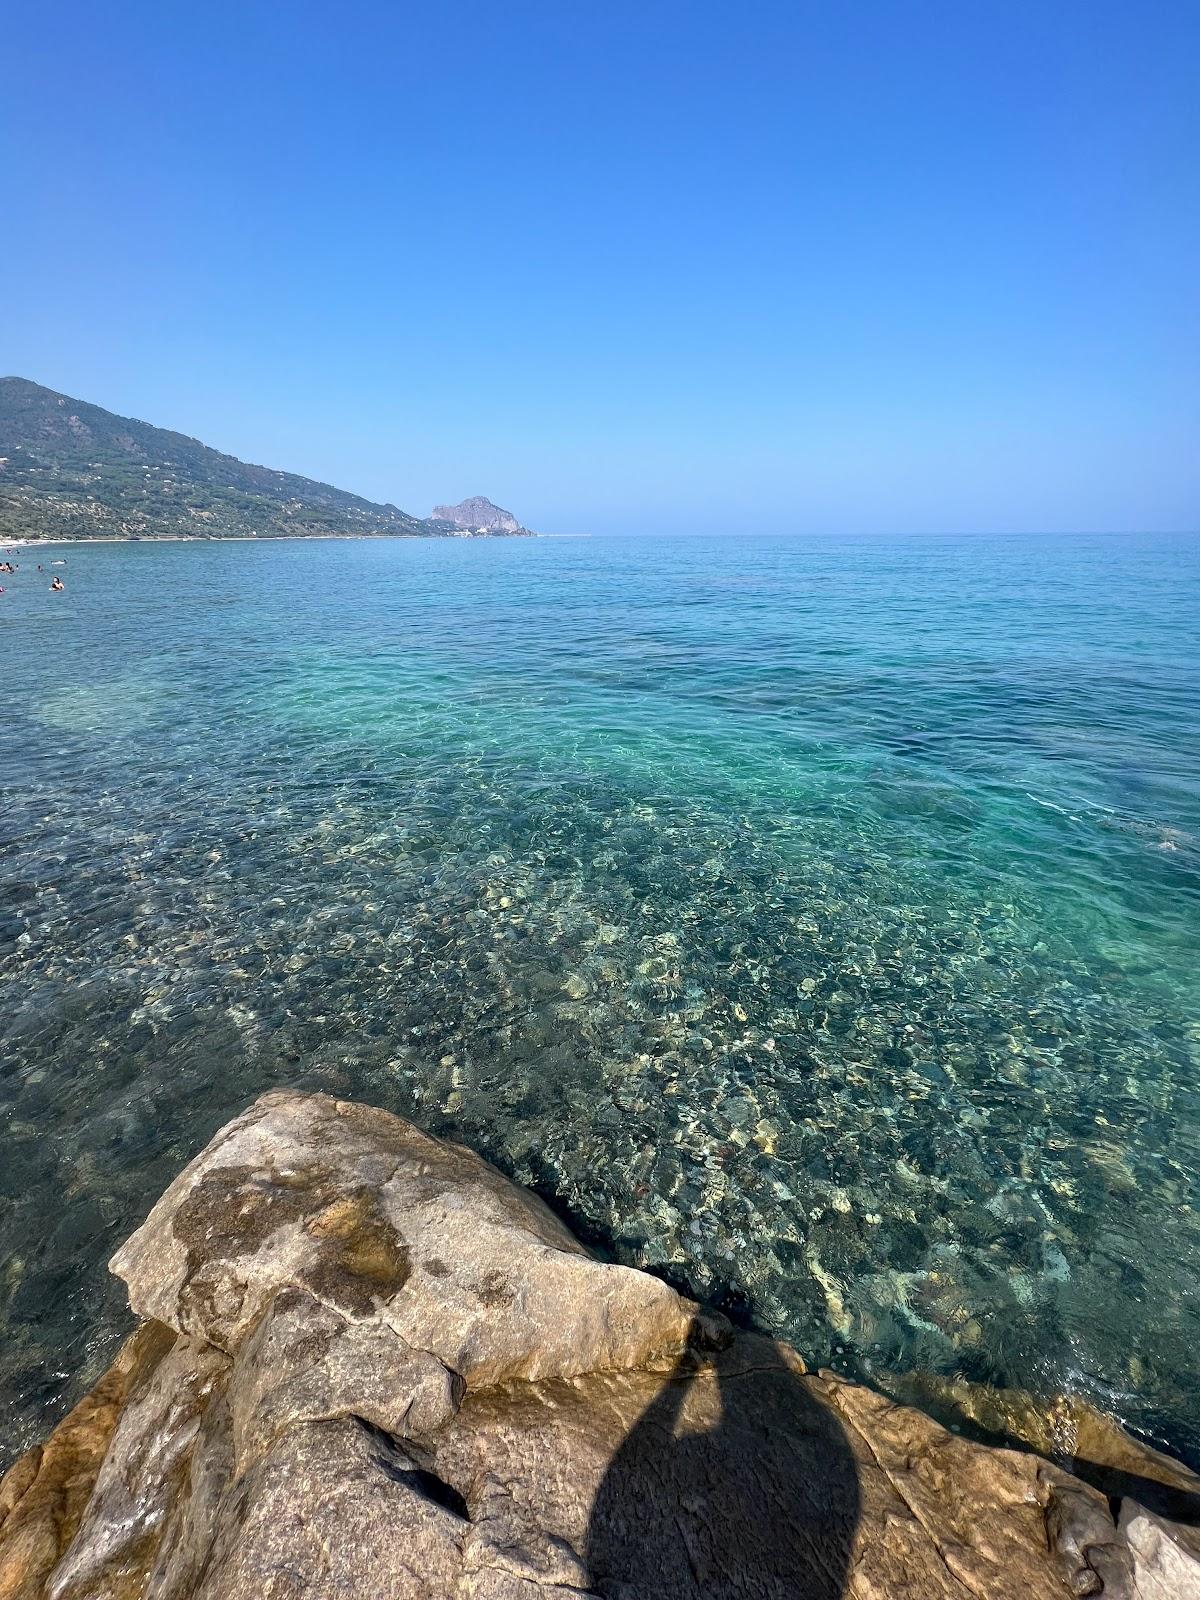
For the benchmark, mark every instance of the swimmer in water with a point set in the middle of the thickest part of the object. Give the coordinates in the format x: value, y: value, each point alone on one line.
x: 57, y: 584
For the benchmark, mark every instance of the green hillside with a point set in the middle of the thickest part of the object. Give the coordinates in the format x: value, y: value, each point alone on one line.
x: 69, y: 470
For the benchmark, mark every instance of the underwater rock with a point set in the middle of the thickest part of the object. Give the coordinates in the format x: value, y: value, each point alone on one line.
x: 372, y: 1365
x: 1066, y: 1430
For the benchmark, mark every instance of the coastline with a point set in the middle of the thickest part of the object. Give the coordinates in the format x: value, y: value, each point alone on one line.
x: 269, y: 538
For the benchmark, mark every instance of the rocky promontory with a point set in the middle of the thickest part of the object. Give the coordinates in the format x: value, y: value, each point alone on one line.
x: 368, y: 1365
x: 478, y: 515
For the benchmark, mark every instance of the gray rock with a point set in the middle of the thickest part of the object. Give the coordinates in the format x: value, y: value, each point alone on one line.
x: 1166, y: 1555
x: 478, y: 512
x: 392, y: 1374
x: 387, y: 1227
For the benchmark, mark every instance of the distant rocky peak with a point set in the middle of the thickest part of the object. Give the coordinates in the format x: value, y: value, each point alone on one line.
x: 478, y: 512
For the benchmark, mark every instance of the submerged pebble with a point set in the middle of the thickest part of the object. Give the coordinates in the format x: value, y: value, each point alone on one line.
x: 810, y: 1034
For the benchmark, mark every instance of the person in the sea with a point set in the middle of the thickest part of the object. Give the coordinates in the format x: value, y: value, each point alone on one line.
x: 57, y: 584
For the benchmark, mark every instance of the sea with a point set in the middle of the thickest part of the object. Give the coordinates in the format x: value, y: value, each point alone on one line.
x: 811, y: 921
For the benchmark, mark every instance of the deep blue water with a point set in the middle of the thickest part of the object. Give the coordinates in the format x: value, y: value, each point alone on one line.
x: 814, y: 921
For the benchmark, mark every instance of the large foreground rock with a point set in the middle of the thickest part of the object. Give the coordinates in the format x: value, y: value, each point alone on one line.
x: 369, y: 1366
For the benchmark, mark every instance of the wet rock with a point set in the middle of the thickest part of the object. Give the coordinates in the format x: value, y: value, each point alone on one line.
x: 44, y: 1495
x: 155, y: 1464
x: 375, y: 1367
x: 1066, y: 1430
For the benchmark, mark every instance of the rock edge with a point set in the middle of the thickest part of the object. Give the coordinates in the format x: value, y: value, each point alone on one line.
x: 370, y: 1365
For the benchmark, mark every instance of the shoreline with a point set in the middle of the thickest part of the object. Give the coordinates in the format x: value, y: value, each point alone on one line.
x: 266, y: 538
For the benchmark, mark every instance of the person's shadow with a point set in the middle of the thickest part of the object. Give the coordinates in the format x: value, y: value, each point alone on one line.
x: 734, y: 1484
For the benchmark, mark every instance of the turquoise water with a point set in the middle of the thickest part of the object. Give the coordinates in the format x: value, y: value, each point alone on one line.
x: 814, y: 922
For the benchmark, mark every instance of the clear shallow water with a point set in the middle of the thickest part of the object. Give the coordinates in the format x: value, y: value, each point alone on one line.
x: 813, y: 921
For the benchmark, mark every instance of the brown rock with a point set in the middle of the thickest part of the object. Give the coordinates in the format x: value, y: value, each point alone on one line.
x: 395, y: 1375
x: 1069, y: 1432
x: 44, y: 1494
x: 147, y: 1473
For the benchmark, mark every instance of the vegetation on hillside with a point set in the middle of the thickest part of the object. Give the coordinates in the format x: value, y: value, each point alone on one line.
x: 69, y: 470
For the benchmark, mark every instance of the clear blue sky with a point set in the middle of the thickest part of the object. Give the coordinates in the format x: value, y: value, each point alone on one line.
x: 633, y: 264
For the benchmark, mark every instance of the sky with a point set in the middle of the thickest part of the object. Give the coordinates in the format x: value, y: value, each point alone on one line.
x: 639, y: 266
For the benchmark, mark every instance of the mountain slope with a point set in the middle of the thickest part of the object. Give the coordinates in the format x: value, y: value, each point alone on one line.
x: 69, y: 470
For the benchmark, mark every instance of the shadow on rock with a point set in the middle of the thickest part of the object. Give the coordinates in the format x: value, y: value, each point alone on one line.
x: 734, y: 1482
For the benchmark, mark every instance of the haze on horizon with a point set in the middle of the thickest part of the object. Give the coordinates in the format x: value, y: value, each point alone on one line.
x: 652, y: 267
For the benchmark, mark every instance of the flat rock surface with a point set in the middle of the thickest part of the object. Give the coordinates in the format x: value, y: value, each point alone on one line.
x: 373, y: 1367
